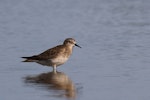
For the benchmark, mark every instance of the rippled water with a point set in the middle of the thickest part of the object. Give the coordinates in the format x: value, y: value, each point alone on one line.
x: 113, y: 64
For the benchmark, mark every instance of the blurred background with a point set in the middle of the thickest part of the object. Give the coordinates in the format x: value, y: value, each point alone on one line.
x: 113, y: 64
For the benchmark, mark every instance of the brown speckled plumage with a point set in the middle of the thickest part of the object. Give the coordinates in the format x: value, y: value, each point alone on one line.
x: 55, y: 56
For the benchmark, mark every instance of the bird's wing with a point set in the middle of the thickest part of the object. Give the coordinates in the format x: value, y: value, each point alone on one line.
x: 51, y: 53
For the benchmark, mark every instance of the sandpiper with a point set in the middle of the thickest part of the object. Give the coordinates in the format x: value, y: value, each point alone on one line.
x: 54, y: 56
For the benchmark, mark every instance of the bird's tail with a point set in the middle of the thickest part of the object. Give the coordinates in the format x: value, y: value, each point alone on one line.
x: 29, y: 59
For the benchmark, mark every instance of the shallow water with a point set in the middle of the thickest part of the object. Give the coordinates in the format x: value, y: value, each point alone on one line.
x: 113, y: 64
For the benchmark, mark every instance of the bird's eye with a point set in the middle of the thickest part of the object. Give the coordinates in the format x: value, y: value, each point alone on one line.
x: 71, y: 42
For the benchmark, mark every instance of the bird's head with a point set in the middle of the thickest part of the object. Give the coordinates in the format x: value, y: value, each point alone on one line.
x: 71, y: 42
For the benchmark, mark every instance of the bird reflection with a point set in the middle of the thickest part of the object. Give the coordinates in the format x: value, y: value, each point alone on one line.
x: 58, y: 81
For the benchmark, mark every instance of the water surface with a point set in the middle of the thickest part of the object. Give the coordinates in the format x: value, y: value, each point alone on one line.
x: 113, y: 64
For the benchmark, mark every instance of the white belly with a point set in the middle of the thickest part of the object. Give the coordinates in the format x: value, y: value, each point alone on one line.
x: 59, y: 61
x: 51, y: 62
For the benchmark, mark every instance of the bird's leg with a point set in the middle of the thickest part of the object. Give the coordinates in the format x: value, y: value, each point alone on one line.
x: 54, y: 68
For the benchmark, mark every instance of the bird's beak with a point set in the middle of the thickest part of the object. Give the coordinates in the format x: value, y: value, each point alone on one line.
x: 77, y: 45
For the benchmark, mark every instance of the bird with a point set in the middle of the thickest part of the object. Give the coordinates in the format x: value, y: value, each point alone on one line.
x: 55, y: 56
